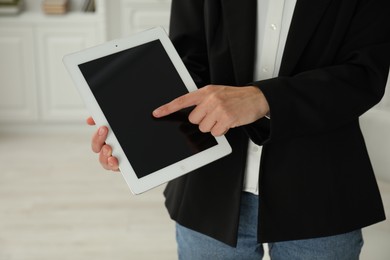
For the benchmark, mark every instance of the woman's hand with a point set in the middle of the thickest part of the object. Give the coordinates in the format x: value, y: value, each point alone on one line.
x: 104, y: 150
x: 219, y: 108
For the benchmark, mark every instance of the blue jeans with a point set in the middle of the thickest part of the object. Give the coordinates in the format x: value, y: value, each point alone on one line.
x: 193, y: 245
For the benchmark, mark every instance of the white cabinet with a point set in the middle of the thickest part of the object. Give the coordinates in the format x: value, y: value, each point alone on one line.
x: 18, y: 88
x: 138, y: 15
x: 59, y: 99
x: 34, y: 85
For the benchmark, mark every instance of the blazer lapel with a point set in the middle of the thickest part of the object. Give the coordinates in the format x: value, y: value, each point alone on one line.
x: 307, y: 15
x: 240, y: 17
x: 241, y: 20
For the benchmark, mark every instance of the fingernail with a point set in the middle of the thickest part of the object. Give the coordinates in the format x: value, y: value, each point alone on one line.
x: 101, y: 131
x: 110, y: 163
x: 156, y: 112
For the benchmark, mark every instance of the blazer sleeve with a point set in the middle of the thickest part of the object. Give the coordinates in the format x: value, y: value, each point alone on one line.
x: 331, y: 96
x: 188, y: 36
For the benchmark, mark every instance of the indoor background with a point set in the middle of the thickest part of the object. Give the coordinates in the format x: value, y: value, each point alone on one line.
x: 56, y: 202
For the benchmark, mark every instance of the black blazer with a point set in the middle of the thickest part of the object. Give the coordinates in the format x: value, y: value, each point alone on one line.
x: 315, y: 178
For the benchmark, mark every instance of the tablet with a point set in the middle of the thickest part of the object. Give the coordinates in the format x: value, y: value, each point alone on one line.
x: 121, y: 83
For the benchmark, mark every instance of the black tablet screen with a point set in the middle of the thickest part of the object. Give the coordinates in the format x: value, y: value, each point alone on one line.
x: 128, y: 86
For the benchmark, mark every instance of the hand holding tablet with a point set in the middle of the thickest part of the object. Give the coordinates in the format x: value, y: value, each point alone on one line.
x: 99, y: 146
x: 209, y: 102
x: 122, y: 82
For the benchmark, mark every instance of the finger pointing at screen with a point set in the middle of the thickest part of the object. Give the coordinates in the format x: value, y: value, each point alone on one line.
x: 219, y: 108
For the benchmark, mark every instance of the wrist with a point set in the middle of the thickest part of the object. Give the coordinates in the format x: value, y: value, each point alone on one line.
x: 264, y: 106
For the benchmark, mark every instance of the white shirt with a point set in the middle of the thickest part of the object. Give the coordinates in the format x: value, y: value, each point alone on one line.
x: 273, y: 23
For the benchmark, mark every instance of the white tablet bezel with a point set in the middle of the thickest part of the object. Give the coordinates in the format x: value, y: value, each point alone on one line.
x: 139, y: 185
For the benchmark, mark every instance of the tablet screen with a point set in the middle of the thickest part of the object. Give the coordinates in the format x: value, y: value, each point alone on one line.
x: 128, y: 86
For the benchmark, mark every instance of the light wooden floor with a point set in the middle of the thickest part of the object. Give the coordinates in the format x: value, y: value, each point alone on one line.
x: 57, y: 203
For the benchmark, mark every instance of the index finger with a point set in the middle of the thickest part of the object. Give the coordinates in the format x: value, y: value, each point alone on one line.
x: 187, y: 100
